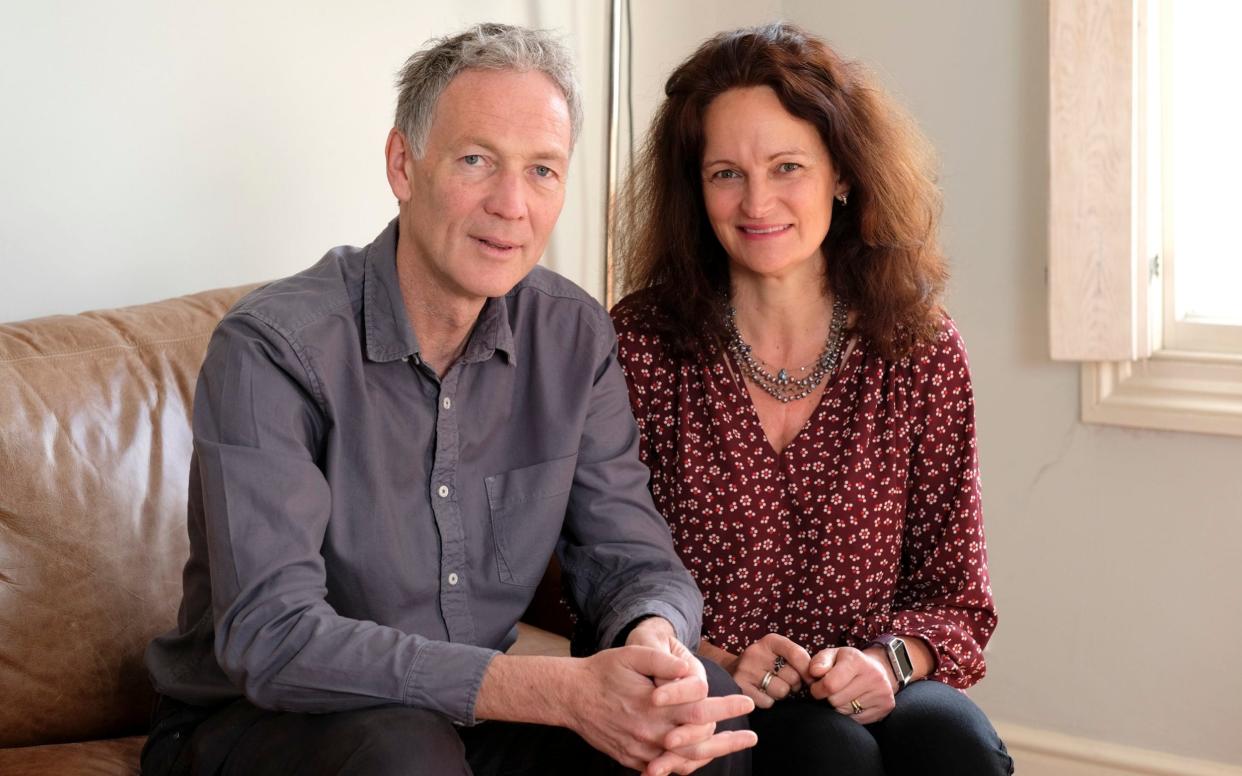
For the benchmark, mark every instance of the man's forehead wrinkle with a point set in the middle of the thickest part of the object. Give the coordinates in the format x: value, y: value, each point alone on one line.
x: 552, y: 114
x: 541, y: 136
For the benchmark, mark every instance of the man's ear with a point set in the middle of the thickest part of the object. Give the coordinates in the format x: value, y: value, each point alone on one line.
x: 397, y: 157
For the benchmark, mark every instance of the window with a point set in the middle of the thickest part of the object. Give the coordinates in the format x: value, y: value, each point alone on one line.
x: 1201, y: 168
x: 1144, y: 279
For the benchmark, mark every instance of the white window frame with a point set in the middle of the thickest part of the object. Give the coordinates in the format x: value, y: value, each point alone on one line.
x: 1106, y: 289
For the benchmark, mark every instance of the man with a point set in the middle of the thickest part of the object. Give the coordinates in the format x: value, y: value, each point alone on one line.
x: 387, y: 449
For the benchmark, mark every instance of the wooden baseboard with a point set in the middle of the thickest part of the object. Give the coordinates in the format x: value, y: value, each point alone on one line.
x: 1045, y: 753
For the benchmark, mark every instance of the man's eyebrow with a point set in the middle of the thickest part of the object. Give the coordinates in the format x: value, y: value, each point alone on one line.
x: 555, y: 157
x: 479, y: 142
x: 542, y: 155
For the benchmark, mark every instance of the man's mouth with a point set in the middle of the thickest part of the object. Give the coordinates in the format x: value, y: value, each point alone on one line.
x: 499, y: 245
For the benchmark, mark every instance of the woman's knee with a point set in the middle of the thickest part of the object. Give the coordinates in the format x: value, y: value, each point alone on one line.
x: 937, y: 729
x: 808, y: 736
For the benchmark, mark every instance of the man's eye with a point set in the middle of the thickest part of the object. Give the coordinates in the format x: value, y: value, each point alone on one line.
x: 472, y: 159
x: 543, y: 172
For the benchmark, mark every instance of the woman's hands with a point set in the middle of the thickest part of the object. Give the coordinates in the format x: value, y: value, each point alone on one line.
x: 857, y: 683
x: 758, y: 661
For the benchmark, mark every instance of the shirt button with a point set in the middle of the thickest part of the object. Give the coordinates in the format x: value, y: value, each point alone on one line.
x: 453, y: 578
x: 447, y: 403
x: 443, y: 491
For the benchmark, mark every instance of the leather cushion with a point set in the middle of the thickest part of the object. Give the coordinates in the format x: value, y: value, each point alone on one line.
x: 113, y: 757
x: 94, y: 460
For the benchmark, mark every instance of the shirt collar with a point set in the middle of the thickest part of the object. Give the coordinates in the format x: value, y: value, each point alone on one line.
x: 389, y: 334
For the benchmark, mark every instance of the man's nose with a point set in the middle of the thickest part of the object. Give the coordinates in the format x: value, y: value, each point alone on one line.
x: 507, y: 197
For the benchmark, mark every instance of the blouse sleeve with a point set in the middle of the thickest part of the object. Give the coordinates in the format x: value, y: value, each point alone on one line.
x: 944, y: 595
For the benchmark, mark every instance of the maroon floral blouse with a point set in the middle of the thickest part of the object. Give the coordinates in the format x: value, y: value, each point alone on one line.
x: 868, y: 522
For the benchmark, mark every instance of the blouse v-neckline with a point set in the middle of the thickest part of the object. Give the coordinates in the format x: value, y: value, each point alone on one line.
x: 732, y: 374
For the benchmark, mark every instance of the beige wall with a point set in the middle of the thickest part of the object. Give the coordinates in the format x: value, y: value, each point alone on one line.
x: 1113, y: 552
x: 150, y: 149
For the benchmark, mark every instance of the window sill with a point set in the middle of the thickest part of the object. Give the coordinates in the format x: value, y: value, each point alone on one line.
x: 1172, y: 391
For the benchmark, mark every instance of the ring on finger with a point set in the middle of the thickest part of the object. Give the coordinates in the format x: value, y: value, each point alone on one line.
x: 855, y: 707
x: 767, y: 679
x: 778, y: 664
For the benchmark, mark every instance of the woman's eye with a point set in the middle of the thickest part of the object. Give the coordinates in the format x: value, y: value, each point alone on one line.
x: 789, y: 166
x: 727, y: 174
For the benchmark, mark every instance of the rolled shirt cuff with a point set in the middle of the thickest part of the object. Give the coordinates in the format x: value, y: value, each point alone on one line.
x: 686, y: 634
x: 445, y: 678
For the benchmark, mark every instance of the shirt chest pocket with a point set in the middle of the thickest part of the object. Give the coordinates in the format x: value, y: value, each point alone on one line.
x: 527, y: 509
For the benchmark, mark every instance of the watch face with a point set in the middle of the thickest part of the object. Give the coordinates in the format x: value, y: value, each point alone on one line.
x: 903, y: 658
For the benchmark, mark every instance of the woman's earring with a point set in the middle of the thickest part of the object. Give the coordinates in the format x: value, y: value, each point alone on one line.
x: 844, y: 198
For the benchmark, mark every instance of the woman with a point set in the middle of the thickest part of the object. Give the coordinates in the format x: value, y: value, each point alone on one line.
x: 805, y: 407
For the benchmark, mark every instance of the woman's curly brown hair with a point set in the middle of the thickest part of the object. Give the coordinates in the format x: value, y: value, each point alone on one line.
x: 882, y: 248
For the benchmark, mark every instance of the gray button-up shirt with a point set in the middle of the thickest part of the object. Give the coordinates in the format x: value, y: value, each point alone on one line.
x: 365, y: 533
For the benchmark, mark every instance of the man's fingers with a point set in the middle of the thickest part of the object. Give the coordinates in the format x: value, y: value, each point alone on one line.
x: 657, y: 663
x: 637, y: 756
x: 688, y: 735
x: 687, y: 689
x: 690, y: 759
x: 667, y: 763
x: 713, y: 710
x: 723, y: 743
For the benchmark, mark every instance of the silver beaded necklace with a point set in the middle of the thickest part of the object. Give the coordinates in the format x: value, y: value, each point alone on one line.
x: 781, y: 386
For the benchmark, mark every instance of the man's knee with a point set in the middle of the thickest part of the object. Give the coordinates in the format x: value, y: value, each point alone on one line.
x: 390, y: 740
x: 379, y: 741
x: 720, y: 683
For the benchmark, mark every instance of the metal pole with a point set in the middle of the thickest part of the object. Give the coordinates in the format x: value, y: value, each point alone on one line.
x: 614, y: 148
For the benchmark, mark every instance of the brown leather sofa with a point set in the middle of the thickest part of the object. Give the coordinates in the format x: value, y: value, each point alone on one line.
x: 94, y: 461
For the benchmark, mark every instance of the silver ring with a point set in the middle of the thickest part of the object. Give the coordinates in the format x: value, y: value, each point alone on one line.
x: 767, y: 679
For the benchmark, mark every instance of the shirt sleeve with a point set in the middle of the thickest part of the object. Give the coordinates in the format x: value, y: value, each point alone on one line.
x: 258, y: 431
x: 617, y: 552
x: 943, y: 595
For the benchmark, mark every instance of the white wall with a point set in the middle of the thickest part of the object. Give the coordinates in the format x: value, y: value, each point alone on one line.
x: 150, y: 149
x: 1114, y: 553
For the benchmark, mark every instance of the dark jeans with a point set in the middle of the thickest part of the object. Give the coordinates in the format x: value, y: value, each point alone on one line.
x: 933, y: 730
x: 239, y: 738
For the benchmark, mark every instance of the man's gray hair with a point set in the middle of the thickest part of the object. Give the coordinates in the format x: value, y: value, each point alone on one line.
x: 426, y: 74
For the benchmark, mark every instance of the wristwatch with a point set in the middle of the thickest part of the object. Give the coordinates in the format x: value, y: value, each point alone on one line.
x: 898, y: 658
